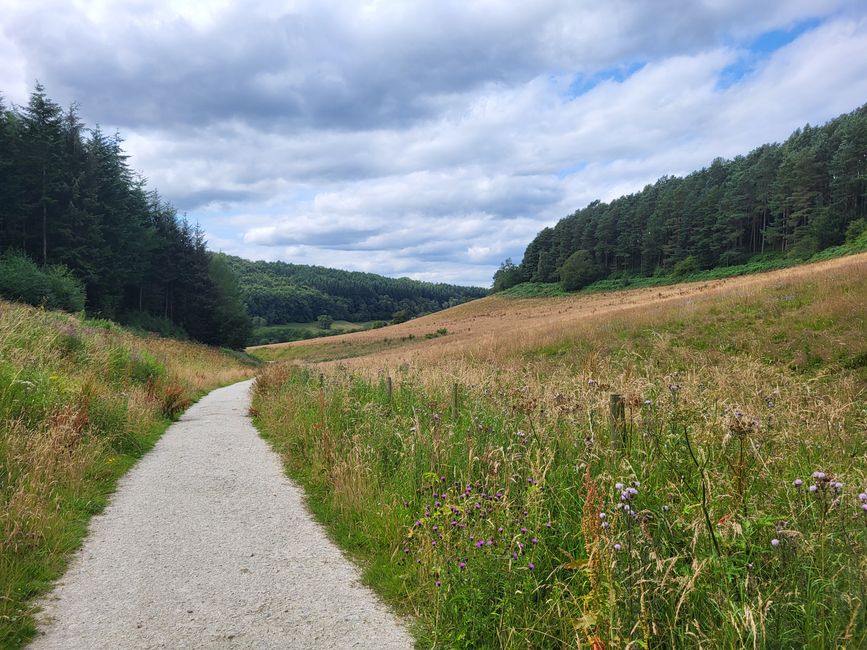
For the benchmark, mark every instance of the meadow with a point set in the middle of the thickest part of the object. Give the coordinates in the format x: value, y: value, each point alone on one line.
x: 80, y: 401
x: 668, y: 467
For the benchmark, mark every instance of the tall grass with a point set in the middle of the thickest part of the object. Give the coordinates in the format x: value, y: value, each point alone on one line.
x: 80, y: 401
x: 482, y: 492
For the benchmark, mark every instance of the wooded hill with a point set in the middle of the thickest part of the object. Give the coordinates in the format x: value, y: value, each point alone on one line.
x: 103, y: 241
x: 278, y: 292
x: 786, y: 200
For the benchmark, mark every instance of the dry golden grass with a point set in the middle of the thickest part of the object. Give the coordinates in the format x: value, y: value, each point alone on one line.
x: 490, y: 327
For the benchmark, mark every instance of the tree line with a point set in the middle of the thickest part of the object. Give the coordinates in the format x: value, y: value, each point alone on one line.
x: 278, y: 292
x: 791, y: 199
x: 69, y: 200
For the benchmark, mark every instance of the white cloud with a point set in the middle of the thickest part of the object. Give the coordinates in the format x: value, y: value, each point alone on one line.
x: 418, y: 138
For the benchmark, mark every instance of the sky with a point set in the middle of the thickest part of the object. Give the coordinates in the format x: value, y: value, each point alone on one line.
x: 427, y: 139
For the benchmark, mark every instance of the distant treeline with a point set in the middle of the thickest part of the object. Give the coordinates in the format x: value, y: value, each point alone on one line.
x: 792, y: 199
x: 276, y: 293
x: 68, y: 200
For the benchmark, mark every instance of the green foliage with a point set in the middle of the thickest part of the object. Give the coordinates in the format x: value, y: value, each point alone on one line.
x: 69, y: 200
x: 279, y: 293
x: 793, y: 199
x: 142, y: 322
x: 53, y: 287
x: 400, y: 316
x: 507, y: 276
x: 577, y: 271
x: 324, y: 321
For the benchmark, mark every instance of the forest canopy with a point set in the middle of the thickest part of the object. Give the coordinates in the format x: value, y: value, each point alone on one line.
x: 784, y: 200
x: 277, y: 292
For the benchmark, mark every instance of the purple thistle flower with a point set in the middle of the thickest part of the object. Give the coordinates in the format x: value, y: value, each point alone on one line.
x: 838, y: 486
x: 666, y: 508
x: 775, y: 542
x: 531, y: 566
x: 490, y: 542
x: 438, y: 583
x: 534, y: 540
x: 605, y: 525
x: 813, y: 488
x: 819, y: 476
x: 500, y: 529
x: 523, y: 530
x: 433, y: 543
x: 602, y: 515
x: 617, y: 547
x: 462, y: 565
x: 618, y: 486
x: 863, y: 496
x: 797, y: 482
x: 514, y: 556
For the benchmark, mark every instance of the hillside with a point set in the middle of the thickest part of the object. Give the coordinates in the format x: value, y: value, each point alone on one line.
x: 664, y: 467
x: 80, y: 401
x: 780, y: 201
x: 278, y: 293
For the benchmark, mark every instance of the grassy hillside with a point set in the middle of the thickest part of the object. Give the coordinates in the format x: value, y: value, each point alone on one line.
x: 484, y: 485
x: 80, y: 401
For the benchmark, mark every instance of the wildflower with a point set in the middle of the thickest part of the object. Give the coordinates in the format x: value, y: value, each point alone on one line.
x: 838, y: 486
x: 438, y: 583
x: 534, y: 540
x: 531, y: 566
x: 797, y: 482
x: 674, y: 388
x: 500, y: 529
x: 433, y: 543
x: 462, y: 565
x: 819, y: 476
x: 617, y: 547
x: 514, y: 556
x: 813, y: 488
x: 666, y: 508
x: 523, y: 530
x: 864, y: 507
x: 602, y: 515
x: 862, y: 497
x: 775, y: 542
x: 480, y: 543
x: 605, y: 524
x: 618, y: 486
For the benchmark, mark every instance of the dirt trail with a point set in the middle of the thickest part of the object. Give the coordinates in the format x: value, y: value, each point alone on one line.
x: 208, y: 545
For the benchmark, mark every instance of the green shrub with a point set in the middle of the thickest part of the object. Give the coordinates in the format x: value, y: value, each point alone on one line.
x: 53, y: 287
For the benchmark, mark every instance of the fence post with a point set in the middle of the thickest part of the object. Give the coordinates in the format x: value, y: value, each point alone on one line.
x: 617, y: 410
x: 389, y: 387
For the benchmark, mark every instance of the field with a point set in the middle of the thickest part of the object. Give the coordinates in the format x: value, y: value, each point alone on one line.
x: 302, y: 331
x: 679, y: 466
x: 80, y: 401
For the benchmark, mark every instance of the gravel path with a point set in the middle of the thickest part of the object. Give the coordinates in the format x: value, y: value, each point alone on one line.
x: 208, y: 545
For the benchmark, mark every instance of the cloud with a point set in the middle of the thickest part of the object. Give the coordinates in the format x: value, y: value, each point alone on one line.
x: 428, y: 139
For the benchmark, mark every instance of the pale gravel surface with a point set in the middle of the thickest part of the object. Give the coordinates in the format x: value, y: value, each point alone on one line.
x: 207, y: 544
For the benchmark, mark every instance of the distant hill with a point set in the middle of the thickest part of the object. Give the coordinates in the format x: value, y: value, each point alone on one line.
x: 788, y: 200
x: 277, y: 293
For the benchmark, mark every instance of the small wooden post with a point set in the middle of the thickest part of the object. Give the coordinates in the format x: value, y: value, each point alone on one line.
x: 455, y: 401
x: 389, y: 387
x: 617, y: 411
x: 321, y: 380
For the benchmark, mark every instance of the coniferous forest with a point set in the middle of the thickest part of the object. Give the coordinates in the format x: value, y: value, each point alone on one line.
x: 780, y: 200
x: 75, y: 220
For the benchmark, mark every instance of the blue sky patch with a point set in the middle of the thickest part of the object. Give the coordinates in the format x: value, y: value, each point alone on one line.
x: 760, y: 48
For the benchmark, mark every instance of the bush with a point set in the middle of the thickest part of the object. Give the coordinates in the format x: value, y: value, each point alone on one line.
x: 577, y: 271
x: 684, y: 267
x: 143, y: 322
x: 53, y: 287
